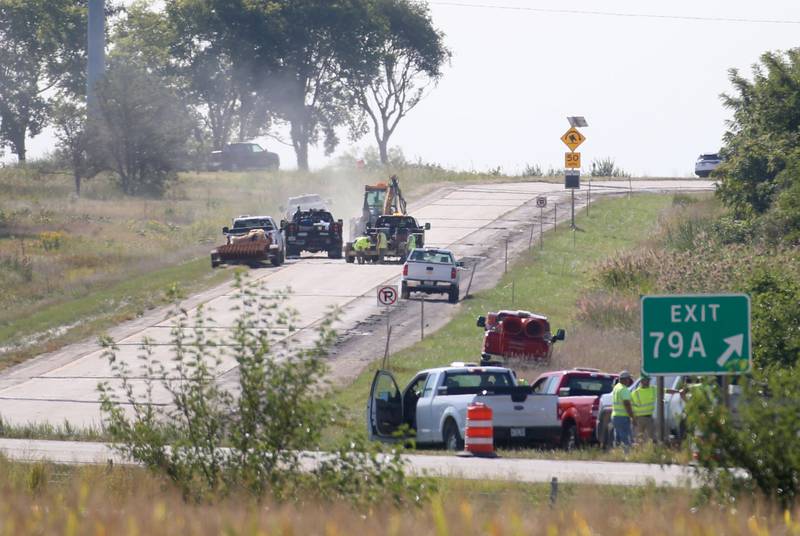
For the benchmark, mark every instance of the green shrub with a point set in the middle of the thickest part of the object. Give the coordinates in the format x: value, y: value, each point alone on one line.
x: 271, y: 422
x: 754, y: 449
x: 775, y: 317
x: 630, y: 271
x: 607, y: 167
x: 52, y: 240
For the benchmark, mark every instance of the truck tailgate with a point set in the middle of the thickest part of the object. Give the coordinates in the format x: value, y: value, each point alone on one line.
x: 536, y: 411
x: 425, y: 271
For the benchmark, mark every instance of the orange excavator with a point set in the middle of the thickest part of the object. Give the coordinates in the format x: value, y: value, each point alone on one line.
x: 382, y: 199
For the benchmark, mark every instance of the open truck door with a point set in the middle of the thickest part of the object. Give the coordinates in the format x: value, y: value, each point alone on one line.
x: 385, y: 407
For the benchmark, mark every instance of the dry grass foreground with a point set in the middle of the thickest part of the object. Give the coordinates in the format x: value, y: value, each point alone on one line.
x: 53, y: 500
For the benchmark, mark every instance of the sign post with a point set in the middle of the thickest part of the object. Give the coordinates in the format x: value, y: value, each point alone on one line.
x: 387, y: 296
x: 700, y: 334
x: 541, y: 202
x: 572, y: 160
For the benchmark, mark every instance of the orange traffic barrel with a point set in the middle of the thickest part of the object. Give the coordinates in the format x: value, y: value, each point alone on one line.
x: 479, y: 433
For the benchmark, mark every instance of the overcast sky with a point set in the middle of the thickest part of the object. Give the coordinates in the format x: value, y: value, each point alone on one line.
x: 649, y: 87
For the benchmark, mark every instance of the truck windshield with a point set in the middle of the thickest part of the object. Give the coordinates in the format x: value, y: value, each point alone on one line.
x: 433, y: 256
x: 253, y: 223
x: 394, y: 222
x: 477, y: 378
x: 588, y: 386
x: 311, y: 217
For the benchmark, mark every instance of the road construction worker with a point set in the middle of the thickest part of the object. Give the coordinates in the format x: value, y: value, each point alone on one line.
x: 644, y: 407
x: 360, y: 245
x: 622, y: 411
x: 411, y: 244
x: 383, y: 244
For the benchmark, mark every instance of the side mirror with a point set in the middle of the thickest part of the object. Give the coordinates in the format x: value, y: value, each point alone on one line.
x: 283, y: 224
x: 460, y: 264
x: 441, y: 390
x: 225, y: 230
x: 559, y: 336
x: 564, y: 391
x: 428, y: 226
x: 481, y: 323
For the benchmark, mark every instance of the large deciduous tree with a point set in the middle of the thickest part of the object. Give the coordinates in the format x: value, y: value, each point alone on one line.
x: 764, y: 134
x: 410, y: 55
x: 42, y: 48
x: 144, y: 127
x: 291, y: 57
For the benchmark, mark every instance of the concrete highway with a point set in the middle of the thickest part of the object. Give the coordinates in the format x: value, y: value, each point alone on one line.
x: 449, y: 466
x: 62, y: 386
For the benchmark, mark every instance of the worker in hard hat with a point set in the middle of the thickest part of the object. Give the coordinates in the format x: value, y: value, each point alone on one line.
x: 622, y: 411
x: 383, y: 244
x: 643, y: 399
x: 360, y: 246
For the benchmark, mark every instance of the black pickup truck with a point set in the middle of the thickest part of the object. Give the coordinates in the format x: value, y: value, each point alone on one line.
x: 235, y: 156
x: 313, y: 231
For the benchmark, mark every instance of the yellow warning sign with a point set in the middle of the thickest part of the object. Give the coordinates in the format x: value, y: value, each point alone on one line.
x: 573, y: 138
x: 572, y: 160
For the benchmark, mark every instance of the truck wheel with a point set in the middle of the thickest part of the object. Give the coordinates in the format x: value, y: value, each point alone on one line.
x: 214, y: 262
x: 569, y: 437
x: 452, y: 295
x: 350, y: 259
x: 335, y: 253
x: 605, y: 434
x: 278, y: 259
x: 405, y: 293
x: 452, y: 439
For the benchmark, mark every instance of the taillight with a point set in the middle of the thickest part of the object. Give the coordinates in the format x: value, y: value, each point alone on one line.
x: 595, y: 408
x: 452, y: 273
x: 405, y: 269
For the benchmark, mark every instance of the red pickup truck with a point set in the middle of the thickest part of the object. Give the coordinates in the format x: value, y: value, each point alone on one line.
x: 579, y: 392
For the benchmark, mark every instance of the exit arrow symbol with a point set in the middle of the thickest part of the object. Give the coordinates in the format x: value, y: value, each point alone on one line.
x: 735, y: 344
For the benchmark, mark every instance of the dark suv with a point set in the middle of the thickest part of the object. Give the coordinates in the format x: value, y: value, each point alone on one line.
x: 313, y: 231
x: 236, y: 156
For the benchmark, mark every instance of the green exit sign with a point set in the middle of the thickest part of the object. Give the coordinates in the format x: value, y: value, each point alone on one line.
x: 696, y: 334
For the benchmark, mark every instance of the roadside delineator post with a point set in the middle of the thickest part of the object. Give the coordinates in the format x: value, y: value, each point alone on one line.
x: 479, y: 432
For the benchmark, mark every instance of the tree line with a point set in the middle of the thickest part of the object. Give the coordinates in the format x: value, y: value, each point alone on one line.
x: 196, y: 74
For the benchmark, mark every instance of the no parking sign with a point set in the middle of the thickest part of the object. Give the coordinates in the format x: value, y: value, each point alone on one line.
x: 387, y: 295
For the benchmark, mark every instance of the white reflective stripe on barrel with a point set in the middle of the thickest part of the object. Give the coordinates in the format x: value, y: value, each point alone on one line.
x: 479, y: 441
x: 479, y: 424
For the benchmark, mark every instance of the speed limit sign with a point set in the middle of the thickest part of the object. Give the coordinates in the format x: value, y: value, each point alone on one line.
x: 541, y: 201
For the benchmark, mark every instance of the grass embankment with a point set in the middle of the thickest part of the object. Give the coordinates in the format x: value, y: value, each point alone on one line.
x: 550, y: 281
x: 48, y: 499
x: 71, y: 267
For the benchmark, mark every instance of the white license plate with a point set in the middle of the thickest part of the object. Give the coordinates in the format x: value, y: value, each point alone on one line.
x: 302, y: 234
x: 429, y: 283
x: 518, y: 432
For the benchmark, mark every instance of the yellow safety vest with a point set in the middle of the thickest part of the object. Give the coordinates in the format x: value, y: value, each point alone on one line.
x: 361, y: 243
x: 618, y: 397
x: 644, y: 401
x: 382, y: 242
x: 412, y: 243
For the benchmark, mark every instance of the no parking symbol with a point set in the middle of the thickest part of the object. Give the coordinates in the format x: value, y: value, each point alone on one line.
x: 387, y: 295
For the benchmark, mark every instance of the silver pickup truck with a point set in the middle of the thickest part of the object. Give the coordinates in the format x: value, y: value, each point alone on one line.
x: 434, y: 404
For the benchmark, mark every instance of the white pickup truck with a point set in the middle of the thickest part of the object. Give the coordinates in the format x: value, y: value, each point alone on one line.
x: 435, y: 401
x: 432, y: 271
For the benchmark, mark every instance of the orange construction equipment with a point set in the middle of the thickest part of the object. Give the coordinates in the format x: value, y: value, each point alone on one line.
x: 479, y: 432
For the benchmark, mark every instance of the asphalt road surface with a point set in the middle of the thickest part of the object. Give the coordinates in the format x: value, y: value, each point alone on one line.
x: 448, y: 466
x: 62, y: 386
